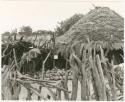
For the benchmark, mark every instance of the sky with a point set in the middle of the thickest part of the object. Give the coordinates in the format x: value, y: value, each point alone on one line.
x: 45, y: 14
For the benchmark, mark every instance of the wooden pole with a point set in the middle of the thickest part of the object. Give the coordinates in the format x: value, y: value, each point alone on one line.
x: 29, y: 94
x: 12, y: 87
x: 75, y: 72
x: 58, y: 91
x: 100, y: 71
x: 74, y: 83
x: 66, y: 82
x: 83, y: 84
x: 97, y: 80
x: 113, y: 80
x: 43, y: 71
x: 53, y: 50
x: 43, y: 66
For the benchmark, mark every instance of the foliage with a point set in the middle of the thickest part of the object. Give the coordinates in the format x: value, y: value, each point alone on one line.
x: 43, y: 32
x: 6, y: 33
x: 65, y: 25
x: 26, y: 31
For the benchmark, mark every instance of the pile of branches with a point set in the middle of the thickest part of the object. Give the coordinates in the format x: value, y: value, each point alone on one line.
x: 13, y: 80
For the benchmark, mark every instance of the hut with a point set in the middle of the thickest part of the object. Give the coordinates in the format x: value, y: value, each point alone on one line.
x: 93, y: 45
x: 101, y: 25
x: 86, y: 46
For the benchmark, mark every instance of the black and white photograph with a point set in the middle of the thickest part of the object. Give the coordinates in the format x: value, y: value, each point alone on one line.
x: 62, y: 50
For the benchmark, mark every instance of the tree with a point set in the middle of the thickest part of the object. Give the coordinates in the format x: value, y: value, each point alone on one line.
x: 43, y: 32
x: 6, y: 33
x: 66, y: 24
x: 26, y: 31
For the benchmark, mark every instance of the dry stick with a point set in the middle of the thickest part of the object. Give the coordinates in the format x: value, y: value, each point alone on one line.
x: 96, y: 79
x: 74, y: 83
x: 9, y: 39
x: 81, y: 66
x: 42, y: 82
x: 102, y: 55
x: 37, y: 80
x: 15, y: 36
x: 52, y: 93
x: 113, y: 80
x: 35, y: 39
x: 29, y: 94
x: 28, y: 86
x: 108, y: 95
x: 50, y: 85
x: 108, y: 74
x: 6, y: 54
x: 14, y: 54
x: 90, y: 69
x: 61, y: 88
x: 83, y: 84
x: 100, y: 71
x: 43, y: 44
x: 4, y: 75
x: 16, y: 89
x: 107, y: 51
x: 5, y: 49
x: 93, y: 69
x: 16, y: 64
x: 75, y: 71
x: 43, y: 66
x: 93, y: 82
x: 65, y: 83
x: 122, y: 56
x: 93, y: 79
x: 39, y: 42
x: 88, y: 87
x: 43, y: 69
x: 103, y: 60
x: 21, y: 38
x: 33, y: 79
x: 58, y: 92
x: 45, y: 84
x: 119, y: 86
x: 15, y: 59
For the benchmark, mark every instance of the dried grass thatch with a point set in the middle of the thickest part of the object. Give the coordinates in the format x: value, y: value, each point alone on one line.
x: 101, y: 25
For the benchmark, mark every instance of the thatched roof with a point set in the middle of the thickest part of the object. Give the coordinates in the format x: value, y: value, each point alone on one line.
x: 100, y: 24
